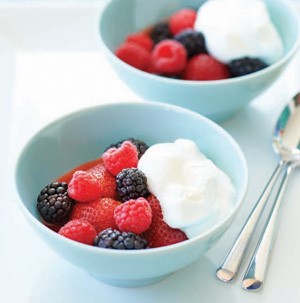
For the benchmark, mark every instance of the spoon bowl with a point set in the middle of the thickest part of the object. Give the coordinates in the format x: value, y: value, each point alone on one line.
x: 286, y: 141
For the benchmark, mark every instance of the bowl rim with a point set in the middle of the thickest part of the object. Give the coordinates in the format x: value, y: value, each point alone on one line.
x: 169, y: 107
x: 289, y: 54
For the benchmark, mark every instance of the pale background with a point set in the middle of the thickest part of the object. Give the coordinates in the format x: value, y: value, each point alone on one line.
x: 50, y: 64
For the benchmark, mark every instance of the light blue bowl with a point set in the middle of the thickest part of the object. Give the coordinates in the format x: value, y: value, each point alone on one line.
x: 217, y: 100
x: 82, y: 136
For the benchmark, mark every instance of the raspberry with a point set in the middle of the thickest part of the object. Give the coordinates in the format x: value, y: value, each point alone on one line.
x: 245, y: 66
x: 117, y: 159
x: 134, y: 55
x: 54, y: 203
x: 139, y: 144
x: 193, y: 42
x: 100, y: 213
x: 80, y: 231
x: 151, y: 68
x: 84, y: 187
x: 169, y: 57
x: 142, y: 39
x: 160, y: 31
x: 106, y: 180
x: 66, y: 177
x: 131, y: 184
x: 160, y: 233
x: 181, y: 20
x: 114, y: 239
x: 205, y: 67
x: 133, y: 216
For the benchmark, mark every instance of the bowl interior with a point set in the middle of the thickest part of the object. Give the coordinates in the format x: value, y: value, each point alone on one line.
x: 121, y: 18
x: 84, y: 135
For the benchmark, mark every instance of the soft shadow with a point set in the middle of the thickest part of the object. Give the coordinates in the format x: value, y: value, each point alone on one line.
x: 61, y: 282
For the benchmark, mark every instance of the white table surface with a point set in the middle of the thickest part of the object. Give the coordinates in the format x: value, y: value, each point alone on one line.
x: 50, y: 64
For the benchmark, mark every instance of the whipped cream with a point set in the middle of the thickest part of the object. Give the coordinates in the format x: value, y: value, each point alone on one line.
x: 238, y: 28
x: 193, y: 192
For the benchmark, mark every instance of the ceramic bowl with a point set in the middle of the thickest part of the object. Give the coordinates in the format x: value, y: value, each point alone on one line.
x: 217, y: 100
x: 84, y: 135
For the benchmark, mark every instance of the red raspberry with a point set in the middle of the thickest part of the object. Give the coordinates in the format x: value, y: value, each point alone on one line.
x: 169, y: 57
x: 133, y: 216
x: 100, y: 213
x: 84, y: 187
x: 116, y: 159
x: 80, y: 231
x: 160, y: 233
x: 182, y: 20
x: 66, y: 177
x: 142, y: 39
x: 106, y: 180
x: 205, y: 67
x: 134, y: 55
x: 151, y: 68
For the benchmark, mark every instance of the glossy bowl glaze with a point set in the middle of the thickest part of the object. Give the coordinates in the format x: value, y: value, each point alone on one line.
x: 217, y: 100
x: 82, y: 136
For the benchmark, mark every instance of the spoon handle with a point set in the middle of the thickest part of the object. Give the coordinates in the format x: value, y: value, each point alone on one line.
x: 231, y: 264
x: 255, y: 274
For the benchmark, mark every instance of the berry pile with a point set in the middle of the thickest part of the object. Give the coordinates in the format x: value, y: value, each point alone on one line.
x: 106, y: 203
x: 173, y: 49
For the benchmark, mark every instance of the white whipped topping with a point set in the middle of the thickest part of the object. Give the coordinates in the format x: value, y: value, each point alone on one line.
x: 193, y: 192
x: 238, y: 28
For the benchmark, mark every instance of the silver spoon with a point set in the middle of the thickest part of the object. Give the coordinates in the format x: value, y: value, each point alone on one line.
x: 286, y: 144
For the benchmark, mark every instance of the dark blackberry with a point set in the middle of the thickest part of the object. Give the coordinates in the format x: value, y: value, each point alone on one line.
x: 245, y: 66
x: 139, y: 144
x: 160, y: 31
x: 170, y: 76
x: 131, y: 184
x: 193, y: 42
x: 114, y: 239
x: 53, y: 202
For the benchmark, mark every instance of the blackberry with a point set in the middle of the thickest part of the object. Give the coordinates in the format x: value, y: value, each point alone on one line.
x: 193, y: 42
x: 114, y: 239
x: 170, y: 76
x: 131, y: 184
x: 160, y: 31
x: 245, y: 66
x: 139, y: 144
x: 53, y: 202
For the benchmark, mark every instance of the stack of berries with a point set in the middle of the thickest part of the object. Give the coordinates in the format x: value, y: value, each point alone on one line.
x: 106, y: 203
x: 173, y: 49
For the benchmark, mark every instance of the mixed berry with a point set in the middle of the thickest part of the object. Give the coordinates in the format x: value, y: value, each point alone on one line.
x: 173, y: 49
x: 106, y: 203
